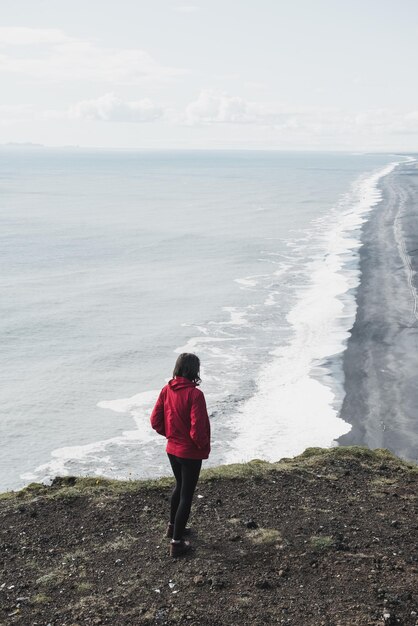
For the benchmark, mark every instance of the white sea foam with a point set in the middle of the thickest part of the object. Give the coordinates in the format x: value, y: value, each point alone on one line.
x: 237, y: 318
x: 292, y: 409
x: 194, y: 342
x: 249, y: 281
x: 93, y: 455
x: 271, y: 300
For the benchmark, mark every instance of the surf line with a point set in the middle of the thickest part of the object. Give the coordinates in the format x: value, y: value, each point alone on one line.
x: 403, y: 253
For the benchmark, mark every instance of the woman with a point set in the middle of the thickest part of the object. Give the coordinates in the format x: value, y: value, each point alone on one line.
x: 180, y: 415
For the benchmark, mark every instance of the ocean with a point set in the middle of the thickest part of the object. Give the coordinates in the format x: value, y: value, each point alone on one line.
x: 112, y: 263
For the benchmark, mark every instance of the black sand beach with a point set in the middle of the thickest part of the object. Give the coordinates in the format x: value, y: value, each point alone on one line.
x: 381, y: 359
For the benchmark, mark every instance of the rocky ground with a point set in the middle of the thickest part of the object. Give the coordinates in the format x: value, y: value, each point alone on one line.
x: 328, y: 538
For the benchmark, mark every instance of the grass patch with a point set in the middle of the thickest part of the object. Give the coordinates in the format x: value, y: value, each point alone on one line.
x: 124, y: 542
x: 312, y: 459
x: 40, y: 598
x: 320, y: 544
x: 84, y: 587
x: 320, y: 456
x: 265, y: 536
x: 239, y: 470
x: 71, y: 557
x: 52, y: 579
x: 382, y: 481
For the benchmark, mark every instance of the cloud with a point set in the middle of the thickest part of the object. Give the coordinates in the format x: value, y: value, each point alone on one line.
x: 110, y: 108
x: 186, y: 9
x: 50, y: 55
x: 21, y: 36
x: 301, y: 125
x: 213, y: 108
x: 12, y: 113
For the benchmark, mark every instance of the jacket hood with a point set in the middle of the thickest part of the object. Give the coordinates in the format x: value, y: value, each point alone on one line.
x: 179, y: 382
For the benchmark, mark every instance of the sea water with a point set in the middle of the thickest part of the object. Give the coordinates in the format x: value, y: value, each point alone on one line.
x: 112, y: 263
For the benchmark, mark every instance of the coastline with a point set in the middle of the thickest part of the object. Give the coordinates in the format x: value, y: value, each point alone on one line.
x: 308, y: 365
x: 291, y: 324
x: 380, y: 362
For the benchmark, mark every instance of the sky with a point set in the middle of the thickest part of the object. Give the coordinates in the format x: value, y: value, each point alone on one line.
x: 210, y: 74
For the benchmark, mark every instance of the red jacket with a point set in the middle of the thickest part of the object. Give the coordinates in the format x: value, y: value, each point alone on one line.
x: 180, y: 415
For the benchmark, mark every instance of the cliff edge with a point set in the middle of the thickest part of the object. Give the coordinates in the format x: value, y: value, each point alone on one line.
x: 327, y: 538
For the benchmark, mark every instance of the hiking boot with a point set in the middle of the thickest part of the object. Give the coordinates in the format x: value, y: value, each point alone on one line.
x: 180, y: 548
x: 170, y: 529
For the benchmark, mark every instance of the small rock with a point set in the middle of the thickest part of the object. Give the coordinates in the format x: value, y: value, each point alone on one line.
x: 262, y: 584
x: 216, y: 583
x: 198, y: 580
x: 251, y: 524
x: 395, y: 523
x: 389, y: 619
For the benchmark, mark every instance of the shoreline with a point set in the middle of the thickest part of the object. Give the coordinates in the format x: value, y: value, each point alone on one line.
x: 380, y: 362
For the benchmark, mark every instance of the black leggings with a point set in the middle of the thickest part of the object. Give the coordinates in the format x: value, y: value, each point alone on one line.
x: 186, y: 473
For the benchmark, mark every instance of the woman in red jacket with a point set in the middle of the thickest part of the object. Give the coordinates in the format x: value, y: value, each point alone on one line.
x: 180, y: 415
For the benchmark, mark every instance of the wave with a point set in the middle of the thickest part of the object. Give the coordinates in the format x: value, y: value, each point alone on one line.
x: 296, y: 402
x: 295, y: 399
x: 99, y: 457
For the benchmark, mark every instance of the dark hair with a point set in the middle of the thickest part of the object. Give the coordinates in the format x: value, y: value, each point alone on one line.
x: 188, y: 366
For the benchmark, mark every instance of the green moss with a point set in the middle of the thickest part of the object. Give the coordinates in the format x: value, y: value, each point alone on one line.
x: 322, y: 543
x: 52, y: 579
x: 238, y: 470
x: 72, y: 557
x: 312, y: 459
x: 265, y: 536
x: 40, y: 598
x: 84, y: 587
x: 382, y: 481
x: 124, y: 542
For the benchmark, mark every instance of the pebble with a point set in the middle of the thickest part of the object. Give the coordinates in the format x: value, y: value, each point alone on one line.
x: 216, y: 583
x: 262, y: 584
x: 251, y: 524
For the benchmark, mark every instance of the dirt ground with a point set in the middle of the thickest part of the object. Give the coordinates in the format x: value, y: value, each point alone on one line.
x: 328, y: 538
